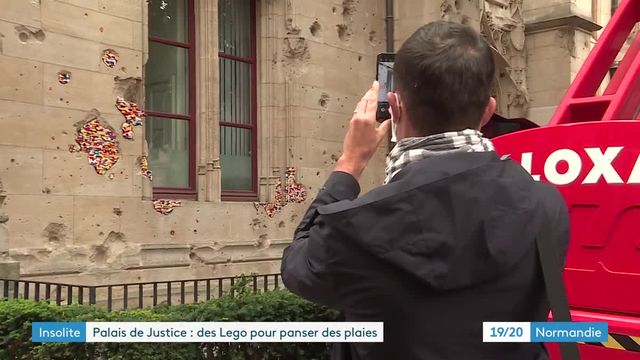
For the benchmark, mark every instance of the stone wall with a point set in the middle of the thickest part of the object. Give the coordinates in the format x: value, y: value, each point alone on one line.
x: 316, y: 58
x: 68, y: 223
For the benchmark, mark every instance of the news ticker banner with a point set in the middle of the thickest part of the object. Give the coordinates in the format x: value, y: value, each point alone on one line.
x: 540, y: 332
x: 296, y: 332
x: 207, y: 332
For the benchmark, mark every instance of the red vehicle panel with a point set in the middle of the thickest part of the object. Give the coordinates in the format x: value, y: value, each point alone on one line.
x: 591, y: 151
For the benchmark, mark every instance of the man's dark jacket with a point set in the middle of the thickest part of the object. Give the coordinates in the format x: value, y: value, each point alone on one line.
x: 448, y: 244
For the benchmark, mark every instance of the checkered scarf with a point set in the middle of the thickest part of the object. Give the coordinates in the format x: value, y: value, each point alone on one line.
x: 417, y: 148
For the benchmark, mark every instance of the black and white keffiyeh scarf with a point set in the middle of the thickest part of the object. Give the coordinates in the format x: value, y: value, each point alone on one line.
x: 417, y: 148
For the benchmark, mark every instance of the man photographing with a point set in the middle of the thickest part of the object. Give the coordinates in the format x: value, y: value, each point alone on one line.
x: 449, y: 241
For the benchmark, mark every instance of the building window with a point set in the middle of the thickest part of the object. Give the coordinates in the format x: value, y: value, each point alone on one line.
x: 238, y: 134
x: 170, y: 97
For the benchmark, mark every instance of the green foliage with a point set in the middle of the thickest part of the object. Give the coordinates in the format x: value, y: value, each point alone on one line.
x: 16, y: 317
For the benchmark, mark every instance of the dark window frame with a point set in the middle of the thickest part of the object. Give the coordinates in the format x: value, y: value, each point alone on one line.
x: 246, y: 195
x: 190, y: 192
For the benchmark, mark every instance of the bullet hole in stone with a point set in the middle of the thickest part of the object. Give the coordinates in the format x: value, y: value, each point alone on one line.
x: 21, y: 74
x: 324, y: 152
x: 172, y: 232
x: 315, y: 28
x: 359, y: 57
x: 324, y: 100
x: 46, y: 190
x: 61, y: 99
x: 373, y: 37
x: 67, y: 102
x: 101, y: 233
x: 344, y: 33
x: 50, y: 88
x: 86, y: 14
x: 27, y: 35
x: 129, y: 88
x: 334, y: 10
x: 101, y: 29
x: 300, y: 158
x: 349, y: 7
x: 197, y: 221
x: 40, y: 35
x: 117, y: 211
x: 64, y: 132
x: 53, y: 138
x: 98, y: 225
x: 334, y: 157
x: 195, y: 231
x: 55, y: 158
x: 457, y: 5
x: 55, y: 232
x: 281, y: 224
x: 57, y: 147
x: 13, y: 160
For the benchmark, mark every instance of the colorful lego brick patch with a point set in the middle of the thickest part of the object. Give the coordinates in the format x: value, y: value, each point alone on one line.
x: 294, y: 192
x: 143, y: 164
x: 132, y: 115
x: 110, y: 58
x: 165, y: 206
x: 100, y: 144
x: 64, y: 77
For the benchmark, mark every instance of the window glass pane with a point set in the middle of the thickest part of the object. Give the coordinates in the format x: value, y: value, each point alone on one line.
x: 168, y: 19
x: 235, y: 27
x: 167, y: 79
x: 168, y: 151
x: 235, y: 91
x: 235, y: 158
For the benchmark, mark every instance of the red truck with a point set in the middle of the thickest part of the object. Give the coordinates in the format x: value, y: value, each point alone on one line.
x: 590, y: 150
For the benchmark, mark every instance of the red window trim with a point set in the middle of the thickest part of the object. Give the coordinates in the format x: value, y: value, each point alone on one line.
x: 189, y: 192
x: 250, y: 195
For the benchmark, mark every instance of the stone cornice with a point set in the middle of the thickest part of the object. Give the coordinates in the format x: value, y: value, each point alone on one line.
x: 573, y: 21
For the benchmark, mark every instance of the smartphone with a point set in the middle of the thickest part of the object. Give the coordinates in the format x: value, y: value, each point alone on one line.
x: 384, y: 75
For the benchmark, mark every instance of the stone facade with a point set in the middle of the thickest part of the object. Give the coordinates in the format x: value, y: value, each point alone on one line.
x: 67, y: 223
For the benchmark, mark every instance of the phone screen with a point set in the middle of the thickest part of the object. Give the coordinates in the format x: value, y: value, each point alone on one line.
x: 385, y: 79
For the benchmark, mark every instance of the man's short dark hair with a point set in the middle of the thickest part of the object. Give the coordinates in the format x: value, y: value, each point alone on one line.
x: 444, y: 73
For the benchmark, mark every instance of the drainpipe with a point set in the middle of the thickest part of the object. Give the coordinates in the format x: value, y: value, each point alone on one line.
x: 389, y: 26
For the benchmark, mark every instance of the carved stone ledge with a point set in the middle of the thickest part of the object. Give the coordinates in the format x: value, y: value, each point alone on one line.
x: 570, y: 20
